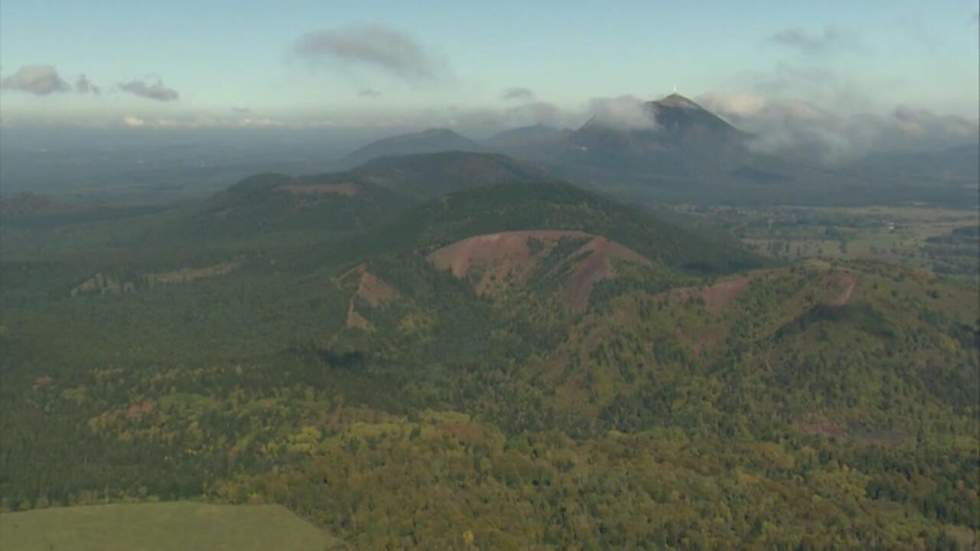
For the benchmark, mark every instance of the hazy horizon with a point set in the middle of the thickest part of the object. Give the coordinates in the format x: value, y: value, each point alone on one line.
x: 384, y: 65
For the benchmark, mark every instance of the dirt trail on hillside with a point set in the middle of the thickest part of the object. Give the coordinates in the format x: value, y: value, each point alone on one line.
x: 846, y: 283
x: 372, y: 290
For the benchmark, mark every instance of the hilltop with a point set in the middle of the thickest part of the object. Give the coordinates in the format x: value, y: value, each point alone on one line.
x: 551, y: 205
x: 673, y: 123
x: 426, y: 176
x: 348, y: 201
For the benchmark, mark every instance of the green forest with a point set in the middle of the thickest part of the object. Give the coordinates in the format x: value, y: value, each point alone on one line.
x: 575, y: 374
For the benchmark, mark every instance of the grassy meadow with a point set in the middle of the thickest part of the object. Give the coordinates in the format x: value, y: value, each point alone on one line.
x: 172, y: 526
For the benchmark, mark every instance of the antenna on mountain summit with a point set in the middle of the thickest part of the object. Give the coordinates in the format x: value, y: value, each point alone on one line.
x: 675, y: 88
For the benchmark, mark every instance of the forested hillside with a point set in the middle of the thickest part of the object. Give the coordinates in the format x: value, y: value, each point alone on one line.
x: 519, y: 364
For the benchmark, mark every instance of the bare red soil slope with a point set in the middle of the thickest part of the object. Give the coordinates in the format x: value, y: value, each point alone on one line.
x: 512, y: 258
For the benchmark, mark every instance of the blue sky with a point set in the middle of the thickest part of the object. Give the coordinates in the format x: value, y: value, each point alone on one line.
x: 239, y: 61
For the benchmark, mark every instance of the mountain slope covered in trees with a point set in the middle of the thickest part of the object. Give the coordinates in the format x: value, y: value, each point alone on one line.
x: 517, y: 363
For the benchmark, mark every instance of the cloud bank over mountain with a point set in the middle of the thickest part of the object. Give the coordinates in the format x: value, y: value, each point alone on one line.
x: 797, y: 127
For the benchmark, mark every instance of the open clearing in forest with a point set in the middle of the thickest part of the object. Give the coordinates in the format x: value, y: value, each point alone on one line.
x: 172, y: 526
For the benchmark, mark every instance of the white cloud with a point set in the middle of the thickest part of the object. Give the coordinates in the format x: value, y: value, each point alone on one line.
x: 796, y: 127
x: 40, y: 80
x: 628, y: 112
x: 150, y: 90
x: 375, y: 46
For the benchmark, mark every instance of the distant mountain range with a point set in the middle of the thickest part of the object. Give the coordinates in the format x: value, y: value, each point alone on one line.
x: 678, y: 150
x: 539, y: 142
x: 434, y: 140
x: 674, y: 125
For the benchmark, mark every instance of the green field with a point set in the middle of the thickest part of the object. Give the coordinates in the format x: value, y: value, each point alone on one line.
x: 924, y: 238
x: 177, y: 526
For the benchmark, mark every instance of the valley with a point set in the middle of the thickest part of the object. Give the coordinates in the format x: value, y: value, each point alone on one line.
x: 942, y: 241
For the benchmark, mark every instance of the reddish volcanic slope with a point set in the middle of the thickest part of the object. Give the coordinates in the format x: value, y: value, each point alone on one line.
x: 512, y: 258
x: 715, y: 297
x: 371, y: 290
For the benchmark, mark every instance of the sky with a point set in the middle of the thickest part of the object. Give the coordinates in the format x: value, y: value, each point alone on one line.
x: 449, y: 63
